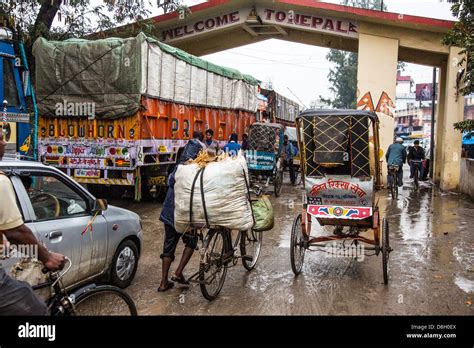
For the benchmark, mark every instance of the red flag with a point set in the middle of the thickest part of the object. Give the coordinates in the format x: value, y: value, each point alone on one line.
x: 365, y: 103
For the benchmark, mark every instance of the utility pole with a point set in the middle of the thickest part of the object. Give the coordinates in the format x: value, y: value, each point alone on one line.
x: 433, y: 101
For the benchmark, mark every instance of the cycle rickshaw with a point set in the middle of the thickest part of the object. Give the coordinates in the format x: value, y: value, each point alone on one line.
x: 341, y: 175
x: 264, y: 156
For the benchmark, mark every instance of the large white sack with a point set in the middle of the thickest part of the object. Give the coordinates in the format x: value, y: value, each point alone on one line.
x: 225, y: 193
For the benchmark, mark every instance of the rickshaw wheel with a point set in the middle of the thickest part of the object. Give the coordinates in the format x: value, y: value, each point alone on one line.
x: 297, y: 248
x: 385, y: 250
x: 278, y: 183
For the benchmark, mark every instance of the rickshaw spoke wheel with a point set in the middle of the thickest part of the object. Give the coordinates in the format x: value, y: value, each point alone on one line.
x: 212, y: 268
x: 385, y: 250
x: 297, y: 246
x: 250, y: 248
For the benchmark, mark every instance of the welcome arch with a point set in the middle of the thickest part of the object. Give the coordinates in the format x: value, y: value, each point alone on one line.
x: 381, y: 39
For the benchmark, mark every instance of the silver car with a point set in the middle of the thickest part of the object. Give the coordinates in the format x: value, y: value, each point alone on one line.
x: 102, y: 241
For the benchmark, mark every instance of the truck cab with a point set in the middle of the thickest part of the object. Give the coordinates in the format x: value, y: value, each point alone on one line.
x: 14, y: 116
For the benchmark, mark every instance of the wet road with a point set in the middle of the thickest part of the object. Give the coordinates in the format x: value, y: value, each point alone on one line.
x: 431, y: 267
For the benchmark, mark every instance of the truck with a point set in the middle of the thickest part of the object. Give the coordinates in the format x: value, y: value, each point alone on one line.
x: 116, y: 113
x: 278, y: 108
x: 16, y: 95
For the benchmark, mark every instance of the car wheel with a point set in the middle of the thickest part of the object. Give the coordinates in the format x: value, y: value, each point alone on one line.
x: 124, y: 264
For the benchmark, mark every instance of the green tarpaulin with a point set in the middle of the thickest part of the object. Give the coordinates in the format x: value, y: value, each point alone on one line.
x: 108, y: 77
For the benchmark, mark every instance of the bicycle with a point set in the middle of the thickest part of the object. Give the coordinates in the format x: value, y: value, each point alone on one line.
x: 88, y: 300
x: 416, y: 165
x: 219, y: 252
x: 392, y: 171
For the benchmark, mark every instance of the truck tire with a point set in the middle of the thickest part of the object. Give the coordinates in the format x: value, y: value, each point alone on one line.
x: 98, y: 191
x: 146, y: 194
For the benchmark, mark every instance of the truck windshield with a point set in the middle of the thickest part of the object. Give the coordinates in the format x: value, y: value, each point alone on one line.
x: 10, y: 91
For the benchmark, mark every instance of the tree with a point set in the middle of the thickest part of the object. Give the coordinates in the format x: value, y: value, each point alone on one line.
x: 343, y: 76
x: 367, y: 4
x: 77, y: 18
x: 462, y: 35
x: 466, y: 126
x: 64, y: 19
x: 343, y: 79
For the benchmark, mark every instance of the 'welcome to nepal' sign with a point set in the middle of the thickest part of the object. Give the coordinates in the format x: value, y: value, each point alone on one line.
x: 268, y: 16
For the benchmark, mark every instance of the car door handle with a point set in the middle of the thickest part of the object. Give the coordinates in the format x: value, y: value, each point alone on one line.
x: 54, y: 234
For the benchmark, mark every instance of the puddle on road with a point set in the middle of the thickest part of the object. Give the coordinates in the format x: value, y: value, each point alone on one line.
x: 433, y: 257
x: 464, y: 284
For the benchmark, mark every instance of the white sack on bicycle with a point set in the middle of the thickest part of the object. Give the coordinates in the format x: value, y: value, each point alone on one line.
x: 30, y: 271
x: 225, y: 195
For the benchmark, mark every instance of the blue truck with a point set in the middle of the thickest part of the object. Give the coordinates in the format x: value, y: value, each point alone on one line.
x: 17, y: 104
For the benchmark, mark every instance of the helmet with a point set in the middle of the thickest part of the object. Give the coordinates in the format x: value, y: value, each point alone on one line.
x: 399, y: 140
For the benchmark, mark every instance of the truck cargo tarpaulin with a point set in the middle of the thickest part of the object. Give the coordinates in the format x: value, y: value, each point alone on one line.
x: 113, y: 74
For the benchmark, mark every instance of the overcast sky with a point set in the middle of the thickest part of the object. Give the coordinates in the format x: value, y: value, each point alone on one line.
x: 302, y: 68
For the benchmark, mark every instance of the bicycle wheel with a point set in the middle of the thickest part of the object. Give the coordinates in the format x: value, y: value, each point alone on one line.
x: 415, y: 177
x: 250, y: 247
x: 104, y: 300
x: 278, y: 182
x: 394, y: 188
x: 213, y: 268
x: 297, y: 248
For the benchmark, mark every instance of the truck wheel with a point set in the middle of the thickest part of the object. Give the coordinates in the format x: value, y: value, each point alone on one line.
x: 160, y: 193
x: 98, y: 191
x: 124, y: 264
x: 146, y: 191
x: 116, y: 191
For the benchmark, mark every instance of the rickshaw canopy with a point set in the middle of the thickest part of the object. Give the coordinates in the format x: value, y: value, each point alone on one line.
x: 263, y: 136
x: 339, y: 142
x: 265, y: 145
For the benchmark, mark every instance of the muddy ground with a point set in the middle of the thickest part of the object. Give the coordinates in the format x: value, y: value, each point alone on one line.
x: 431, y: 267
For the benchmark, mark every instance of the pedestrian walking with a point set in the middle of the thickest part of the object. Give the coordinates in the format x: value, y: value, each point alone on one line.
x: 232, y: 147
x: 212, y: 145
x: 289, y: 154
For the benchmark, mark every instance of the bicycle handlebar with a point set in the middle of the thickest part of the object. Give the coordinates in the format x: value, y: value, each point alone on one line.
x: 58, y: 274
x: 46, y: 270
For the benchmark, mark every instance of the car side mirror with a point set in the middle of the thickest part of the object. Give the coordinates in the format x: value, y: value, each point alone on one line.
x: 100, y: 205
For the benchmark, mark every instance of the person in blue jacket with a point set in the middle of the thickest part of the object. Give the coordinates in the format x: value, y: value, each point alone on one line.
x: 190, y: 151
x: 289, y: 154
x: 232, y: 147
